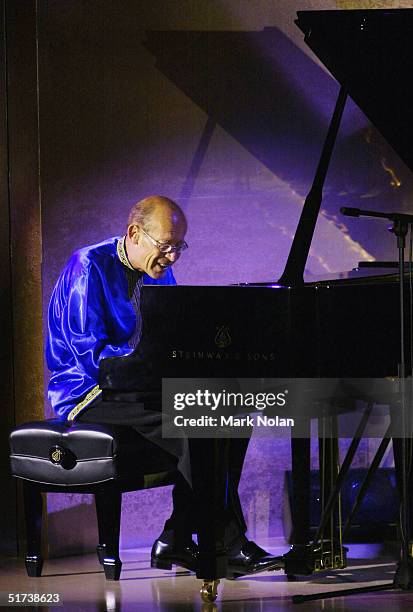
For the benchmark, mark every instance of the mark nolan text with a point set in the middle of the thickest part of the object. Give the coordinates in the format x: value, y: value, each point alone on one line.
x: 258, y: 420
x: 232, y: 421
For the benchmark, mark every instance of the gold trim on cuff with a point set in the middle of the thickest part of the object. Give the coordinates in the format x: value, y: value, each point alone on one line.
x: 85, y: 402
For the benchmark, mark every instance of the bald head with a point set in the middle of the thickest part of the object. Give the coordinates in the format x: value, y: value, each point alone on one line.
x: 156, y: 208
x: 155, y: 221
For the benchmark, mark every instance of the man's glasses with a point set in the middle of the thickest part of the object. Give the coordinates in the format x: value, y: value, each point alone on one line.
x: 165, y: 247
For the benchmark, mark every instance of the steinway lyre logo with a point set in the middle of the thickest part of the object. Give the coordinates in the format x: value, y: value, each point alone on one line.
x: 223, y: 338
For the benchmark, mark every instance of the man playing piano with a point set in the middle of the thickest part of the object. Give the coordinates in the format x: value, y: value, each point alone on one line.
x: 94, y: 314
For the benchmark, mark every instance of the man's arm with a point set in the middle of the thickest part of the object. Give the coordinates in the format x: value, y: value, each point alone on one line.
x: 82, y: 332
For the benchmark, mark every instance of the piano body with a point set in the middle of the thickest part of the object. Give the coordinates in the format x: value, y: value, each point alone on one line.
x: 345, y: 328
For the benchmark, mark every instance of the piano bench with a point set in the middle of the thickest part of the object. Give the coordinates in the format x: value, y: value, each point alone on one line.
x: 105, y: 460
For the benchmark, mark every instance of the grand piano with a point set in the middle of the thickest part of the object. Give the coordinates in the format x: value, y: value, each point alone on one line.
x: 288, y: 328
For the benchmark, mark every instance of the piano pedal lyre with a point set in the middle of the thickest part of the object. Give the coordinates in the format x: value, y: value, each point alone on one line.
x: 209, y: 591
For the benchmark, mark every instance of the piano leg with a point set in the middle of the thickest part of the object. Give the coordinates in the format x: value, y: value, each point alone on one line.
x: 300, y: 460
x: 295, y: 561
x: 210, y: 483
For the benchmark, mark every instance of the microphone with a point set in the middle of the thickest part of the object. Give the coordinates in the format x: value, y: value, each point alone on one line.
x: 391, y: 216
x: 350, y: 212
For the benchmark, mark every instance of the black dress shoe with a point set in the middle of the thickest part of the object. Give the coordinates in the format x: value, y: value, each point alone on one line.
x: 164, y: 555
x: 251, y: 559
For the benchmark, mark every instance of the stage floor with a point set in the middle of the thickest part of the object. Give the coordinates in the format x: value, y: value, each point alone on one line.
x: 80, y: 583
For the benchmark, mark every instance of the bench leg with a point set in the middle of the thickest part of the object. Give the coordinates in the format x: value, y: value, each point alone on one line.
x: 101, y: 552
x: 108, y: 510
x: 33, y: 506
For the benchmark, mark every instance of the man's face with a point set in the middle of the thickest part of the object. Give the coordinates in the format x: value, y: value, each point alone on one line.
x: 164, y: 226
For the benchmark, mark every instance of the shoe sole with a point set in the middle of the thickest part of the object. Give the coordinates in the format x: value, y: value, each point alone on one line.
x: 235, y: 575
x: 167, y: 565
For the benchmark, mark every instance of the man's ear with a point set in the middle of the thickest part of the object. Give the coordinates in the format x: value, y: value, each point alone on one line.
x: 133, y: 233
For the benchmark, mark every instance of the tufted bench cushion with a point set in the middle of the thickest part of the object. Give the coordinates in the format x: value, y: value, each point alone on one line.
x: 53, y: 452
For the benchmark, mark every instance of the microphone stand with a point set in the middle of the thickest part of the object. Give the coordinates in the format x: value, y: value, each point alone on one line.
x: 403, y: 578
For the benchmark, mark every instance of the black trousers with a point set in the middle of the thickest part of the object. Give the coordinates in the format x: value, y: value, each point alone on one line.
x: 183, y: 520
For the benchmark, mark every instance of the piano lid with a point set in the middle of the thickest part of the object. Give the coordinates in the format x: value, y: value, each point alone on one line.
x: 371, y: 53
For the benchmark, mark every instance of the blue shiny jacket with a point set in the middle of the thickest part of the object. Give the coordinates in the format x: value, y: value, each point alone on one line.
x: 90, y: 317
